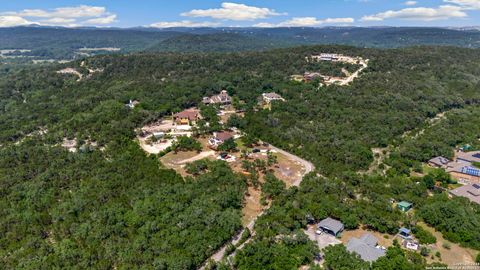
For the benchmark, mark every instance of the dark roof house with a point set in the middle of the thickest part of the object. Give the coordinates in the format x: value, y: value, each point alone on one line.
x: 365, y: 246
x: 331, y: 225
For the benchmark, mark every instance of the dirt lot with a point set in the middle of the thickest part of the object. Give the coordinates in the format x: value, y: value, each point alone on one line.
x: 252, y: 207
x: 456, y: 254
x: 382, y: 241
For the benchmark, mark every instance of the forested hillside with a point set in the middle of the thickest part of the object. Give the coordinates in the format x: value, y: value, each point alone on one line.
x: 63, y: 43
x: 110, y: 206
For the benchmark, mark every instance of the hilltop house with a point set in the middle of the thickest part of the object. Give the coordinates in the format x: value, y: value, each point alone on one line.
x: 326, y: 57
x: 310, y: 76
x: 219, y: 138
x: 187, y: 117
x: 366, y: 247
x: 331, y: 226
x: 269, y: 97
x: 471, y: 192
x: 223, y: 99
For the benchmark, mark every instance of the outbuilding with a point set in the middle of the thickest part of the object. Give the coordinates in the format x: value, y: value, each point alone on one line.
x: 331, y: 226
x: 404, y: 206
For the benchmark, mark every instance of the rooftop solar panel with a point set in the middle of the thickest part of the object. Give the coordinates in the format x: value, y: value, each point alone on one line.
x: 477, y: 186
x: 477, y: 155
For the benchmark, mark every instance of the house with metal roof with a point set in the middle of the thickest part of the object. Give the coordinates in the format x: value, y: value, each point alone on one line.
x: 365, y: 247
x: 472, y: 156
x: 404, y: 233
x: 471, y: 192
x: 331, y: 226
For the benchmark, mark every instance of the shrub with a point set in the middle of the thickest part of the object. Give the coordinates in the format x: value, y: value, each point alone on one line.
x: 423, y: 236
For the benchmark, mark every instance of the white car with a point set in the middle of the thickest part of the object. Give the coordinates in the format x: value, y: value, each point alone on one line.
x: 319, y: 232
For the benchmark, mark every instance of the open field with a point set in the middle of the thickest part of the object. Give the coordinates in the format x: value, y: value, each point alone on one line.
x: 455, y: 255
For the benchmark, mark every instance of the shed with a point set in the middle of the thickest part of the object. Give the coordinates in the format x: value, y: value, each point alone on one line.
x: 404, y: 206
x: 331, y: 226
x: 404, y: 232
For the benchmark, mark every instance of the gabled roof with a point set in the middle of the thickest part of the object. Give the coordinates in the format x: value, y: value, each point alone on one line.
x: 364, y: 247
x: 331, y: 224
x: 369, y: 239
x: 440, y: 161
x: 191, y: 114
x: 223, y: 136
x: 404, y: 230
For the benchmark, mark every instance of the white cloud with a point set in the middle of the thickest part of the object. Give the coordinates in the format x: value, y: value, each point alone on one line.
x: 264, y: 25
x: 9, y: 21
x: 410, y: 3
x: 419, y: 13
x: 306, y: 22
x: 233, y: 11
x: 63, y: 16
x: 102, y: 20
x: 184, y: 24
x: 466, y: 4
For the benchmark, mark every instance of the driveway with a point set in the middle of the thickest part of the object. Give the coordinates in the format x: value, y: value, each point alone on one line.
x: 324, y: 240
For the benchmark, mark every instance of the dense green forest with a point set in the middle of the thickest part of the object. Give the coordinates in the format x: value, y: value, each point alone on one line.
x: 110, y: 206
x: 63, y: 43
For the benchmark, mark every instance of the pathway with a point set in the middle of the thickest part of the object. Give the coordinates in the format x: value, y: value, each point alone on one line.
x: 218, y: 256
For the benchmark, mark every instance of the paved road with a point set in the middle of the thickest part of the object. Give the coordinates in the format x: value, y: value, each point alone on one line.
x: 218, y: 256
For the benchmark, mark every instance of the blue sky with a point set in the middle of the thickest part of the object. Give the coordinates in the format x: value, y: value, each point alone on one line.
x: 260, y: 13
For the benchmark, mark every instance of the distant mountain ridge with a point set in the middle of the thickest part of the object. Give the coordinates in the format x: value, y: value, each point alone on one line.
x: 61, y: 42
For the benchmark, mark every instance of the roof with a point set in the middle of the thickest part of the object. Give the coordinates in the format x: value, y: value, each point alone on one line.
x: 440, y: 161
x: 191, y: 114
x: 404, y: 230
x: 404, y: 204
x: 471, y: 192
x: 331, y: 224
x: 472, y: 156
x: 364, y: 247
x: 463, y: 167
x: 224, y: 135
x: 223, y: 97
x: 272, y: 95
x: 369, y: 239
